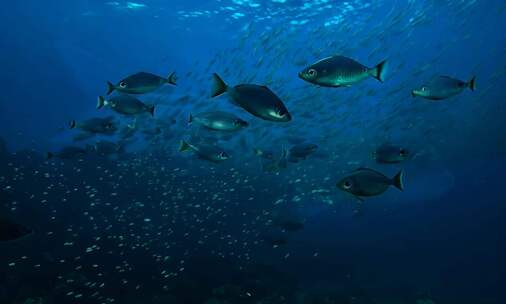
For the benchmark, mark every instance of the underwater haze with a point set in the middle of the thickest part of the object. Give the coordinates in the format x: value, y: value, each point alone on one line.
x: 253, y: 151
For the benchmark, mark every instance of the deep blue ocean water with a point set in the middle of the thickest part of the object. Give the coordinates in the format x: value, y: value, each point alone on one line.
x: 133, y: 220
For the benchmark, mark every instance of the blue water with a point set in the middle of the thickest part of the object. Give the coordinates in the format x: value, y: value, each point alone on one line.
x: 149, y: 224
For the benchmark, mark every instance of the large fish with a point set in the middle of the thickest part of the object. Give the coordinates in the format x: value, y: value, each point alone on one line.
x: 126, y: 105
x: 218, y: 121
x: 205, y: 151
x: 105, y: 148
x: 104, y: 125
x: 340, y: 71
x: 69, y: 152
x: 301, y: 152
x: 366, y: 182
x: 263, y: 153
x: 140, y: 83
x: 276, y: 165
x: 390, y: 154
x: 443, y: 87
x: 258, y: 100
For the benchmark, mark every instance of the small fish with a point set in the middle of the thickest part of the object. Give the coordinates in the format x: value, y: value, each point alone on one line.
x: 218, y: 121
x: 278, y: 242
x: 390, y: 154
x: 10, y: 231
x: 442, y: 87
x: 340, y: 71
x: 366, y: 182
x: 126, y: 105
x: 205, y: 151
x: 140, y: 83
x: 69, y: 152
x: 258, y: 100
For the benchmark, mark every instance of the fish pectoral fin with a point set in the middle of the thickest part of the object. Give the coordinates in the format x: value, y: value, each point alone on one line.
x: 359, y: 211
x: 361, y: 199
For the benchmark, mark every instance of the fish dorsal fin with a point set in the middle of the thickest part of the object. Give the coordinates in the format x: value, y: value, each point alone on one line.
x: 363, y: 169
x: 366, y: 169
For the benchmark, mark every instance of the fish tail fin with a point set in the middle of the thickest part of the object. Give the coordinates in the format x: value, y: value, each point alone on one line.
x: 172, y: 78
x: 151, y: 110
x: 184, y: 146
x: 472, y: 83
x: 379, y: 71
x: 89, y: 148
x: 257, y: 152
x: 133, y: 125
x: 285, y: 153
x: 282, y: 163
x: 72, y: 124
x: 397, y: 181
x: 190, y: 118
x: 49, y: 155
x: 219, y: 86
x: 100, y: 102
x: 110, y: 87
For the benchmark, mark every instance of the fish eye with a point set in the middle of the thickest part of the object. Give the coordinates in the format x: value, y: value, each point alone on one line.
x: 403, y: 152
x: 424, y: 89
x: 123, y: 84
x: 223, y: 155
x: 312, y: 72
x: 347, y: 185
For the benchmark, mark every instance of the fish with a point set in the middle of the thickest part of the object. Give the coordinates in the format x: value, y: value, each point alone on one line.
x: 205, y: 151
x: 106, y: 125
x: 126, y: 105
x: 69, y: 152
x: 83, y: 136
x: 290, y: 225
x: 105, y: 147
x: 301, y: 151
x: 442, y: 87
x: 275, y: 165
x: 3, y: 147
x: 340, y: 71
x: 365, y: 182
x: 277, y: 242
x: 128, y: 131
x: 258, y: 100
x: 390, y: 154
x: 140, y: 83
x: 10, y: 231
x: 263, y: 153
x: 218, y: 121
